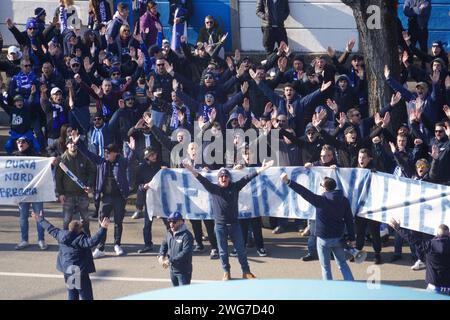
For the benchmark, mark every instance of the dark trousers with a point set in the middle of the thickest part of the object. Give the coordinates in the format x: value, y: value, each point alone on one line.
x: 418, y: 35
x: 147, y: 230
x: 78, y: 288
x: 107, y: 205
x: 256, y: 228
x: 198, y: 232
x: 180, y: 279
x: 361, y: 225
x: 272, y: 35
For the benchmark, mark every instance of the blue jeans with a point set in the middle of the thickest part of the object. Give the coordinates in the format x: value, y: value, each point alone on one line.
x: 335, y: 245
x: 84, y: 291
x: 147, y: 230
x: 312, y: 239
x: 398, y: 246
x: 180, y: 279
x: 234, y: 230
x: 24, y: 212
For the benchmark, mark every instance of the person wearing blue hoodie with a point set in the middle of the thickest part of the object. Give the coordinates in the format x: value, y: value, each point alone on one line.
x: 333, y: 213
x: 74, y: 256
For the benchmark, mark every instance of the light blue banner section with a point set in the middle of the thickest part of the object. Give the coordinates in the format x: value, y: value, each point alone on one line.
x: 418, y: 205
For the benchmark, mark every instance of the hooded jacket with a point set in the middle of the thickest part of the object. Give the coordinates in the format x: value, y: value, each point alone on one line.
x: 74, y: 249
x: 333, y: 212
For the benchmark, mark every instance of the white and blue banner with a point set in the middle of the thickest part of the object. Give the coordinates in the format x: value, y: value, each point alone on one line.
x: 26, y: 179
x: 418, y: 205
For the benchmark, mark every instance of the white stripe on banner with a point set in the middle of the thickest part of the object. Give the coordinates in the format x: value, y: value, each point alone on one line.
x: 26, y: 179
x: 419, y: 205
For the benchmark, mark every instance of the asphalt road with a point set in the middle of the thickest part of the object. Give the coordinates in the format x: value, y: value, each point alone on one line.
x: 32, y: 274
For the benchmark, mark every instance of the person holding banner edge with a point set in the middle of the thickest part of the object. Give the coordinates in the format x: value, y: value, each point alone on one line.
x: 224, y: 206
x: 333, y: 212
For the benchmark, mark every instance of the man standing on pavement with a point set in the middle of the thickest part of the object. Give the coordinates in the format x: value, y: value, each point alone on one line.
x: 72, y: 197
x: 437, y: 251
x: 224, y: 208
x: 112, y: 188
x: 176, y: 251
x: 333, y: 213
x: 74, y: 255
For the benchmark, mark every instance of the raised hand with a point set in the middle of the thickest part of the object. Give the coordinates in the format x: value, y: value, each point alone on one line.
x: 435, y: 77
x: 9, y: 23
x: 434, y: 151
x: 386, y: 119
x: 387, y: 72
x: 331, y: 52
x: 396, y: 98
x: 342, y: 119
x: 77, y: 78
x: 175, y: 85
x: 87, y: 65
x: 169, y: 67
x: 332, y: 105
x: 405, y: 58
x: 265, y: 166
x: 256, y: 123
x: 446, y: 111
x: 230, y: 63
x: 121, y: 103
x: 241, y: 120
x: 132, y: 143
x: 253, y: 75
x: 240, y: 71
x: 213, y: 114
x: 105, y: 223
x: 224, y: 37
x: 151, y: 83
x: 183, y: 39
x: 392, y: 146
x: 268, y: 108
x: 244, y: 87
x: 377, y: 119
x: 325, y: 86
x: 447, y: 82
x: 237, y: 55
x: 284, y: 177
x: 290, y: 108
x: 350, y: 45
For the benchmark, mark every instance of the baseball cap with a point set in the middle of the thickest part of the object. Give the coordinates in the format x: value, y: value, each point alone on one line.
x: 55, y: 90
x: 39, y: 12
x: 23, y: 138
x: 175, y: 216
x: 310, y: 127
x: 223, y: 172
x: 127, y: 95
x: 424, y: 85
x: 74, y: 61
x: 165, y: 42
x: 112, y: 148
x: 17, y: 98
x: 16, y: 50
x: 31, y: 23
x: 115, y: 60
x: 440, y: 61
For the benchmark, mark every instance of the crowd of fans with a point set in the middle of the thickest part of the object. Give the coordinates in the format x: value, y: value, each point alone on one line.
x: 152, y: 93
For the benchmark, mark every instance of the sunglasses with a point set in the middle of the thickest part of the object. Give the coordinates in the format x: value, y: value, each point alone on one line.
x: 310, y: 133
x: 27, y: 65
x: 209, y: 77
x: 75, y: 65
x: 115, y: 74
x: 160, y: 65
x: 31, y: 28
x: 172, y: 221
x: 356, y: 115
x: 208, y: 22
x: 21, y: 141
x: 98, y: 119
x: 281, y: 121
x: 126, y: 30
x: 438, y: 131
x: 107, y: 152
x: 422, y: 166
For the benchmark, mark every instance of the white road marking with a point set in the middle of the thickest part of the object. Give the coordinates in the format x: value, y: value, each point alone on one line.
x: 57, y: 276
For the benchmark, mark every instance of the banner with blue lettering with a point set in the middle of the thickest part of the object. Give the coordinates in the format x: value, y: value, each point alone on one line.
x: 418, y: 205
x: 26, y: 179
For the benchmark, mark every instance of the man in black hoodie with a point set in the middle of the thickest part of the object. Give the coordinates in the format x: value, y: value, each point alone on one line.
x: 224, y: 208
x: 333, y: 212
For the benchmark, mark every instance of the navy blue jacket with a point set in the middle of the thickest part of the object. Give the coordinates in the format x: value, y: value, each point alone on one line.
x: 74, y: 249
x: 178, y: 248
x: 332, y: 212
x: 224, y: 201
x: 437, y: 251
x: 119, y: 171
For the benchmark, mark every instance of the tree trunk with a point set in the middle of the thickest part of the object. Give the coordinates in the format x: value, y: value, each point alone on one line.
x: 378, y: 34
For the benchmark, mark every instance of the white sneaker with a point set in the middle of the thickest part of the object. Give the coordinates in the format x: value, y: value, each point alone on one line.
x: 419, y: 265
x: 98, y: 254
x: 22, y: 245
x: 119, y: 251
x: 42, y: 245
x: 136, y: 215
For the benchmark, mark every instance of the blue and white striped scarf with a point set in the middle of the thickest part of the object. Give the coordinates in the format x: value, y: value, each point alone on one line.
x: 97, y: 139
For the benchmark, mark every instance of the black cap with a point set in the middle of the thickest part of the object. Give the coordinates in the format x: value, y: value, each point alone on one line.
x: 112, y: 147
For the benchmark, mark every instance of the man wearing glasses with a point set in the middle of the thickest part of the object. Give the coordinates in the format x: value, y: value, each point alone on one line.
x: 176, y: 251
x: 441, y: 152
